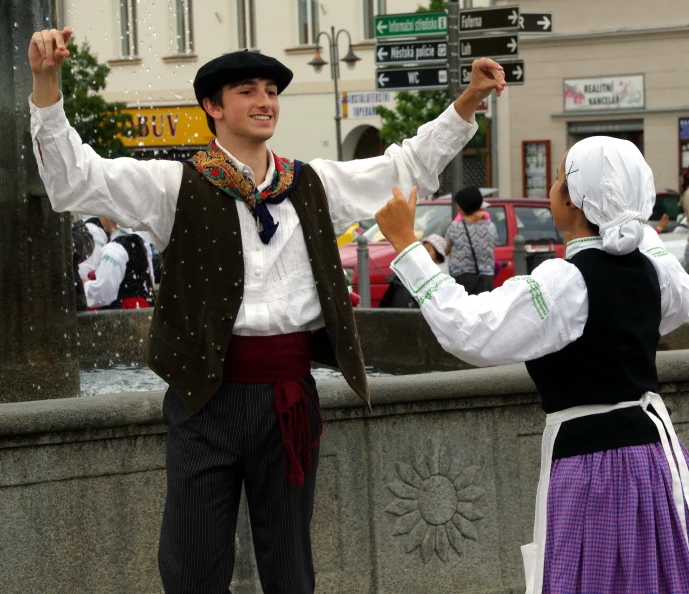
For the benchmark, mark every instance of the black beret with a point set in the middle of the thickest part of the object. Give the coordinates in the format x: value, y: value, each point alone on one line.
x: 239, y: 66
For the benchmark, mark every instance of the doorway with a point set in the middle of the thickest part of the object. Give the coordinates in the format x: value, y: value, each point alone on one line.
x: 631, y: 130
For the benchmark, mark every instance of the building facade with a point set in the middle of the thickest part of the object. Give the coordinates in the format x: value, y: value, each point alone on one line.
x: 613, y: 67
x: 155, y: 48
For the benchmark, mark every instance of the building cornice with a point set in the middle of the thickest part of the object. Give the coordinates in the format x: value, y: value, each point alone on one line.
x: 619, y: 112
x: 604, y: 35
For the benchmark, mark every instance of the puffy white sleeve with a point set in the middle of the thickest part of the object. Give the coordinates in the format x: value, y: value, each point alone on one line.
x: 673, y: 280
x: 528, y: 317
x: 135, y: 194
x: 358, y: 189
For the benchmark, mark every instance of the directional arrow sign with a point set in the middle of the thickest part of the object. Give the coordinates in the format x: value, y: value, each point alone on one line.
x: 514, y: 72
x: 502, y: 18
x: 415, y: 24
x: 401, y: 79
x: 536, y: 22
x: 491, y: 46
x: 411, y: 51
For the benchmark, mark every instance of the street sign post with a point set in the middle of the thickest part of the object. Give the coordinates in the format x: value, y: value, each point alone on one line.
x: 536, y: 22
x: 480, y: 20
x: 408, y: 52
x: 412, y: 79
x: 491, y: 46
x: 514, y: 72
x: 414, y: 24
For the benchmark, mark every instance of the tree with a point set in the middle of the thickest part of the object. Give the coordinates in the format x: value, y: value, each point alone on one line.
x: 99, y: 123
x: 413, y: 109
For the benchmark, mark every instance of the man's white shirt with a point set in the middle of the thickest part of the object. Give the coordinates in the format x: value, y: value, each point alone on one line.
x: 280, y: 291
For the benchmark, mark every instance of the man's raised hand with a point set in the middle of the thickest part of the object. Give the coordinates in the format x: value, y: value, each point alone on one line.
x: 48, y: 50
x: 486, y: 76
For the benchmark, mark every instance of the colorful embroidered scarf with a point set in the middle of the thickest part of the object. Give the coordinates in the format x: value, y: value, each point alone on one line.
x: 214, y: 164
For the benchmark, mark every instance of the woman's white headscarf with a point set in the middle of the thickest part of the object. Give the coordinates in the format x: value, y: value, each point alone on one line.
x: 609, y: 180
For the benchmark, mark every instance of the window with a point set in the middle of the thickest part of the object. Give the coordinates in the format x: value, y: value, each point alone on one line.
x: 246, y: 23
x: 185, y: 41
x: 536, y: 224
x: 128, y: 28
x: 499, y: 219
x: 430, y: 218
x: 308, y: 21
x: 371, y: 9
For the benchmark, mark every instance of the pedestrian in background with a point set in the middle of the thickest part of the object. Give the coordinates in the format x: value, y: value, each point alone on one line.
x: 472, y: 242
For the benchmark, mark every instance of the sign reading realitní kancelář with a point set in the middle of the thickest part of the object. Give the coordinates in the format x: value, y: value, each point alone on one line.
x: 415, y: 24
x: 604, y: 93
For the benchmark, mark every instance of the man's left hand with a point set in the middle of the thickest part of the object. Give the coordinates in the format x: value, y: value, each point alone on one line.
x: 396, y: 220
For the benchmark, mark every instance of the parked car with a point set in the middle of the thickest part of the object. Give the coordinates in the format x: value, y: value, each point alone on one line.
x: 530, y: 217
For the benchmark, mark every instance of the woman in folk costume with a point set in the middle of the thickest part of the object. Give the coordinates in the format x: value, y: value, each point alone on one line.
x: 611, y: 513
x: 252, y: 290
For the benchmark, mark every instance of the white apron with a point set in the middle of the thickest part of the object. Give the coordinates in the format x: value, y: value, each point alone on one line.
x: 534, y: 553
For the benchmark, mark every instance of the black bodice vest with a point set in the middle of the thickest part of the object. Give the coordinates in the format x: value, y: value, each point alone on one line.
x: 614, y: 359
x: 135, y: 282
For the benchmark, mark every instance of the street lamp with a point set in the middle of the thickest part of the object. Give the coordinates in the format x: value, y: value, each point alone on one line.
x: 318, y: 62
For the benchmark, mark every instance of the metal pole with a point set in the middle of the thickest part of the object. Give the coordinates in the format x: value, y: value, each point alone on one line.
x: 364, y: 288
x: 457, y: 164
x: 495, y: 173
x: 520, y: 265
x: 335, y: 59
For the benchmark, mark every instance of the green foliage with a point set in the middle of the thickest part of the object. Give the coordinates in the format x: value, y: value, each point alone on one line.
x: 99, y: 123
x: 415, y: 108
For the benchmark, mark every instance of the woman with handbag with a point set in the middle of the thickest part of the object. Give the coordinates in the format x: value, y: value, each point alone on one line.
x: 471, y: 243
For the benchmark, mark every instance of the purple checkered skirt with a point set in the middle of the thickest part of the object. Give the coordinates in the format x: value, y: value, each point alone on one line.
x: 613, y: 527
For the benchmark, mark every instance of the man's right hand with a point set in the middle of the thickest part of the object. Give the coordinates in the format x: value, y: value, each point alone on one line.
x: 48, y: 50
x: 47, y: 53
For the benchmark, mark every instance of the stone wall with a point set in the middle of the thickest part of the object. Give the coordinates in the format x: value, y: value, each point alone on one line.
x: 393, y: 340
x: 432, y: 492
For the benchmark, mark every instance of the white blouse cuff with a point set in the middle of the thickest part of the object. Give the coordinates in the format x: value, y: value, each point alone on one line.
x: 419, y: 273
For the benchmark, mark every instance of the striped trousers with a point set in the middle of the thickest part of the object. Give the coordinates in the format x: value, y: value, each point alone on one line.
x: 234, y: 439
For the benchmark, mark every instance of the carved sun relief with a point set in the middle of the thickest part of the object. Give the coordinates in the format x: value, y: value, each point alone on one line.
x: 435, y: 505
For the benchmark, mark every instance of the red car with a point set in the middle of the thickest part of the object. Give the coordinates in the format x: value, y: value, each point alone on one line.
x: 530, y: 217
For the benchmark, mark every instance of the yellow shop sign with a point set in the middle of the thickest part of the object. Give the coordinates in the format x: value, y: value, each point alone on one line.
x: 169, y: 126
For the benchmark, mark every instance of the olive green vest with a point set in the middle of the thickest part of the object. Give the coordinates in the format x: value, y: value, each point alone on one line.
x: 203, y: 282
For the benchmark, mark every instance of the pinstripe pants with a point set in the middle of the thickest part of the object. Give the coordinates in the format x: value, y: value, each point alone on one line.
x: 235, y: 438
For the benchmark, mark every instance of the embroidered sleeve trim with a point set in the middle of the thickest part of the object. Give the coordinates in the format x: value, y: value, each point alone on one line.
x: 404, y: 253
x: 432, y: 289
x: 107, y: 258
x: 424, y: 285
x: 583, y: 240
x: 537, y: 298
x: 657, y: 252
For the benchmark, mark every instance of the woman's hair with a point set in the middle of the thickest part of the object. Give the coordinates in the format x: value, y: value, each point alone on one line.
x: 564, y: 192
x: 685, y: 181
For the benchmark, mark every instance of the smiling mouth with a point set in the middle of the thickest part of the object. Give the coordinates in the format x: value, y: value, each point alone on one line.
x: 261, y: 118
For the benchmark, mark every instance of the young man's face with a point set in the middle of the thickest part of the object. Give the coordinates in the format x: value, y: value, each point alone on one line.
x: 250, y: 109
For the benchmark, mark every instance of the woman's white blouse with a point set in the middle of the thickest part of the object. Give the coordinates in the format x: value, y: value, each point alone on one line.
x: 529, y: 316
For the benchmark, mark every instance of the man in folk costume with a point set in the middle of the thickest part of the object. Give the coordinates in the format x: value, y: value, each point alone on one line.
x: 252, y: 290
